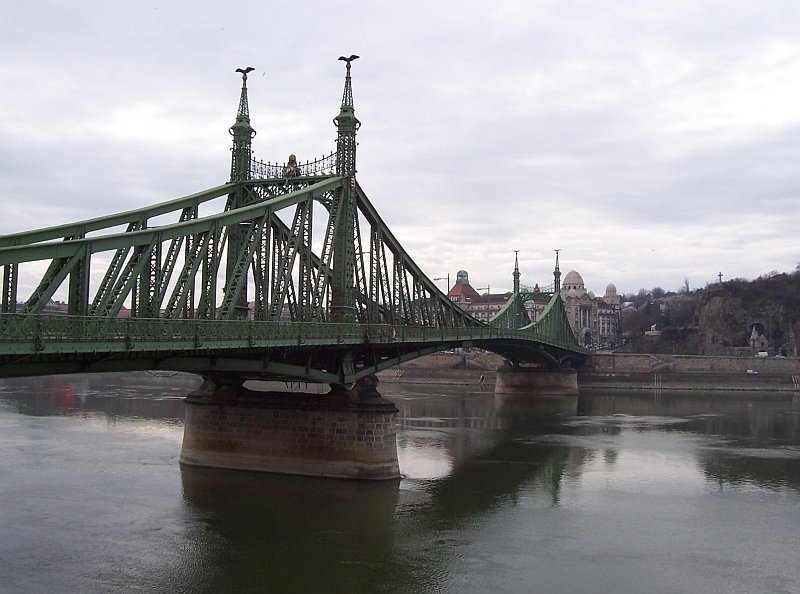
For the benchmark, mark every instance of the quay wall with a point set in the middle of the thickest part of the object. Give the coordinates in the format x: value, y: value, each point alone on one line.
x: 620, y: 371
x: 474, y: 367
x: 610, y: 371
x: 607, y: 362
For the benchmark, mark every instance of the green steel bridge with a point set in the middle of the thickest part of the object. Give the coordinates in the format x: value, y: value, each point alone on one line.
x: 333, y: 295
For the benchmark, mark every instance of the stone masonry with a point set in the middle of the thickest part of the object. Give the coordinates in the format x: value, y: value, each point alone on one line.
x: 292, y: 433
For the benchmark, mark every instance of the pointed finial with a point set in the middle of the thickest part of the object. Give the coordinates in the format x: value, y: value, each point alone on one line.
x: 347, y: 125
x: 557, y: 275
x: 347, y: 96
x: 242, y: 133
x: 244, y: 109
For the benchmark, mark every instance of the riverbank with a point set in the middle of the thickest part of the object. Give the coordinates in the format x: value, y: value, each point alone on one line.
x: 624, y: 371
x: 617, y: 371
x: 453, y: 368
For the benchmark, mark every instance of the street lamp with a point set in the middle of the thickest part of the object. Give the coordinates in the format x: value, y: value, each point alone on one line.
x: 447, y: 278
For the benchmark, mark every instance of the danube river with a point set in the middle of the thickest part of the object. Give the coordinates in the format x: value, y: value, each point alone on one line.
x: 630, y: 493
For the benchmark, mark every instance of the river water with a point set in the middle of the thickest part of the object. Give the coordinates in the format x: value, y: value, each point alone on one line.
x: 634, y: 493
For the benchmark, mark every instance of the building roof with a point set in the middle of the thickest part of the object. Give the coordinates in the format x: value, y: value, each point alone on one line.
x: 464, y: 290
x: 573, y: 278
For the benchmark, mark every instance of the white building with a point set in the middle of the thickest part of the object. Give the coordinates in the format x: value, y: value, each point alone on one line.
x: 595, y: 320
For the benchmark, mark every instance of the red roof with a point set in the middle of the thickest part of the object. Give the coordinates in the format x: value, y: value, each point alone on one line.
x: 463, y: 290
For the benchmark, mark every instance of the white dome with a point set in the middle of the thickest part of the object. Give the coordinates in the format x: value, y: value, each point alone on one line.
x: 611, y: 290
x: 573, y: 278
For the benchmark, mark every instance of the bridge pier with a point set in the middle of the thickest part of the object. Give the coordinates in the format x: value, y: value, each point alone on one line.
x: 530, y: 390
x: 342, y: 434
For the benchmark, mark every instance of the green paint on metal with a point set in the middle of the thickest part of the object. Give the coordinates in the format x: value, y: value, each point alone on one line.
x: 336, y: 296
x: 343, y: 293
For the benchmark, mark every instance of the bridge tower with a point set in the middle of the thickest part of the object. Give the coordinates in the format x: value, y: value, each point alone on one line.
x: 235, y: 305
x: 348, y: 432
x: 520, y: 386
x: 343, y: 295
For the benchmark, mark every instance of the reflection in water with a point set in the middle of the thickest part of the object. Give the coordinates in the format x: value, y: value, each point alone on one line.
x: 437, y: 432
x: 124, y: 395
x: 761, y: 443
x: 632, y: 494
x: 276, y: 530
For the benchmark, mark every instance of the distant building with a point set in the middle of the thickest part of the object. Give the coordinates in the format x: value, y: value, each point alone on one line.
x: 758, y: 342
x: 482, y: 307
x: 594, y: 320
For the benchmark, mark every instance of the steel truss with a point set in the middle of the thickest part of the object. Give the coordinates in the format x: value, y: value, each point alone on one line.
x: 174, y: 272
x: 292, y: 275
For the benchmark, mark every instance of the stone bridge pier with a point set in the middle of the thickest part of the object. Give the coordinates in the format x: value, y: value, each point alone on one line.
x: 347, y: 434
x: 523, y: 391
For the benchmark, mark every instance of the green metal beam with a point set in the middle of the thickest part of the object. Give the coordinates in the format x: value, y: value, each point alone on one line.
x: 357, y: 305
x: 81, y: 228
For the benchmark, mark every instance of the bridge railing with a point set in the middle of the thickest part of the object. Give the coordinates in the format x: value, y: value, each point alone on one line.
x: 34, y: 333
x: 17, y: 328
x: 536, y: 291
x: 266, y: 170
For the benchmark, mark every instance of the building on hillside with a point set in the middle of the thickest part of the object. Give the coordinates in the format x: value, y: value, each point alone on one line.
x: 758, y: 342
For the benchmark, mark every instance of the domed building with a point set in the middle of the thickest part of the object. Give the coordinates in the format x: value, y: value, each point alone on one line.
x: 462, y: 292
x: 482, y: 307
x: 573, y: 282
x: 594, y: 320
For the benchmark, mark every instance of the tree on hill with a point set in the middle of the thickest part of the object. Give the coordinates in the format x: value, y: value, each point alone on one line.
x: 721, y: 317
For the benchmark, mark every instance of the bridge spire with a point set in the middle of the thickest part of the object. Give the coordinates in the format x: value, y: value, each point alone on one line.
x: 556, y: 275
x: 343, y: 292
x: 516, y: 272
x: 347, y: 125
x: 243, y: 134
x: 241, y: 156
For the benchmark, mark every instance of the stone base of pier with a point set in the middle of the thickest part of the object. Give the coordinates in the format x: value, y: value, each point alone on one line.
x: 536, y: 381
x: 335, y: 435
x: 529, y: 392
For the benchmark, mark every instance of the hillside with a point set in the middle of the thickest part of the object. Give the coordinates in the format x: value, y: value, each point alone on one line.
x: 736, y: 317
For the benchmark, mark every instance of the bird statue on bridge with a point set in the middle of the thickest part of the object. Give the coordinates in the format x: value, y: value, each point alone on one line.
x: 348, y: 60
x: 244, y: 71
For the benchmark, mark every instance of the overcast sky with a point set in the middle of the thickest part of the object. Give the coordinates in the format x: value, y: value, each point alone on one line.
x: 651, y: 141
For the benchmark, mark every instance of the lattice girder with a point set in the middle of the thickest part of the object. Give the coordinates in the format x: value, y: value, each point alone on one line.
x: 391, y: 295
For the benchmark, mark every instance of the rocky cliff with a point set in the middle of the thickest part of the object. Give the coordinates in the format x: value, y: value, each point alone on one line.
x: 730, y: 318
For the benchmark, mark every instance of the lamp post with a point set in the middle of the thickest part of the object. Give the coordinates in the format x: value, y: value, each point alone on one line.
x: 447, y: 278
